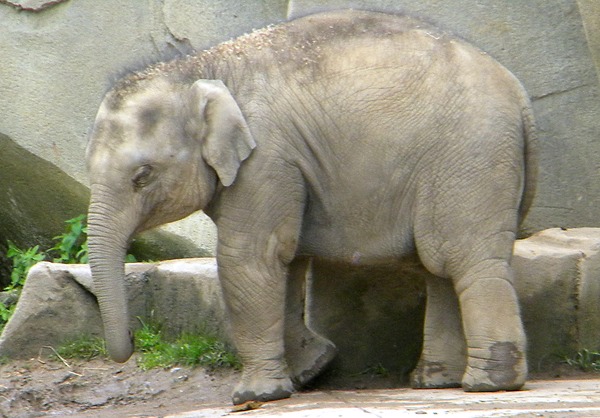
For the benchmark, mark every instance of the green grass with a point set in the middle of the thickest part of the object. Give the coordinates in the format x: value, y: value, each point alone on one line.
x: 187, y: 350
x: 157, y: 352
x: 84, y: 348
x: 586, y: 360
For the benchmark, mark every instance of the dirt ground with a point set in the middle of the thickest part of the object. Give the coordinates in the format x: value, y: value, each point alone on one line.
x: 100, y: 388
x: 44, y: 387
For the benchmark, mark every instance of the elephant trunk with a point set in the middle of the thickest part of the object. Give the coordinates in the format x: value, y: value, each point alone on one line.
x: 108, y: 239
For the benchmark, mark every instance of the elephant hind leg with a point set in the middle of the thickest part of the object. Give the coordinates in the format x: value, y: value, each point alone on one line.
x: 495, y: 336
x: 467, y: 234
x: 493, y: 332
x: 444, y: 355
x: 490, y: 313
x: 307, y: 353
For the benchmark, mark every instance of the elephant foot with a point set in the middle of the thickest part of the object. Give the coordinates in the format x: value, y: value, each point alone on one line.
x: 506, y: 370
x: 309, y: 357
x: 262, y: 389
x: 436, y: 375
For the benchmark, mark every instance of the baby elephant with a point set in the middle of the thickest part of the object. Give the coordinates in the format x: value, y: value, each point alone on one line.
x: 349, y: 136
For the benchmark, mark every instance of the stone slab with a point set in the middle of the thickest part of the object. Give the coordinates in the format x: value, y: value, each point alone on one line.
x: 564, y: 398
x: 57, y: 303
x: 185, y: 296
x: 558, y: 282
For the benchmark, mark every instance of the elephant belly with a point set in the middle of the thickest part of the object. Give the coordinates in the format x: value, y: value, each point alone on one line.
x: 360, y: 222
x: 369, y: 244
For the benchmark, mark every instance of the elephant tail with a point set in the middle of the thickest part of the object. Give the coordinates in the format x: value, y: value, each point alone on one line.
x: 531, y: 158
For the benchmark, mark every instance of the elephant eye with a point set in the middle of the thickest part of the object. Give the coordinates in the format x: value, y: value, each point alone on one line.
x: 141, y: 176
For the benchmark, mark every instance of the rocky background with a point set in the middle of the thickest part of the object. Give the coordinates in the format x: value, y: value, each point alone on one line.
x: 57, y: 58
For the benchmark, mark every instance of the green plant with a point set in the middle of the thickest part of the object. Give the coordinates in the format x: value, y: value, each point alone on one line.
x: 6, y: 312
x: 586, y: 360
x: 373, y: 370
x: 187, y: 350
x: 71, y: 246
x: 22, y: 261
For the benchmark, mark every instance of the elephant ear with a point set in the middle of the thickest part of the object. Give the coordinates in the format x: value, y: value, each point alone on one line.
x: 226, y: 138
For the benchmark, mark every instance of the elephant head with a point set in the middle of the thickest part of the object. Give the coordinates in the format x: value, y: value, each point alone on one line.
x: 156, y: 154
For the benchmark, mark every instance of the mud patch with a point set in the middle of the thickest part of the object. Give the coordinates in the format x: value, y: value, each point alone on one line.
x: 105, y: 389
x: 508, y: 357
x: 41, y: 387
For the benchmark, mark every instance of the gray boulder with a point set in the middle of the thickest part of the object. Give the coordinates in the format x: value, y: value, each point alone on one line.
x: 57, y: 303
x: 54, y: 307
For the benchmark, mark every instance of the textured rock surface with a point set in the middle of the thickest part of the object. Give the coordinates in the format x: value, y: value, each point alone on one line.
x: 57, y: 303
x: 58, y: 58
x: 35, y: 199
x: 557, y: 281
x: 186, y: 296
x: 56, y: 307
x: 374, y: 315
x: 590, y: 12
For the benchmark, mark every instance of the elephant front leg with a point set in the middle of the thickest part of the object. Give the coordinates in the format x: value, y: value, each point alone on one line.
x: 496, y: 344
x: 443, y: 359
x: 255, y: 298
x: 307, y: 352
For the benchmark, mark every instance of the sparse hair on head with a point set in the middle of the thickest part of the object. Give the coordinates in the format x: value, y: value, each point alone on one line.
x: 128, y: 78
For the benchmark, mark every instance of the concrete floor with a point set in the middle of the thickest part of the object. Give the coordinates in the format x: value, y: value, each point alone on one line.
x: 557, y: 398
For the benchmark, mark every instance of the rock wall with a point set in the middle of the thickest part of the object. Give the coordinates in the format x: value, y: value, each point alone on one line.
x: 59, y: 57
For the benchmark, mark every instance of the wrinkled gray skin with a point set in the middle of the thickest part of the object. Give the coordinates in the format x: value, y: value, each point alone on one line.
x: 349, y: 136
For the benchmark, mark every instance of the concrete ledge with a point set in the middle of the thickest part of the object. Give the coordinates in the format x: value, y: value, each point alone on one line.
x: 374, y: 314
x: 558, y: 283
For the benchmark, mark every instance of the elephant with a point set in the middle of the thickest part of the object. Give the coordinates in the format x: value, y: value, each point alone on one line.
x: 350, y: 136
